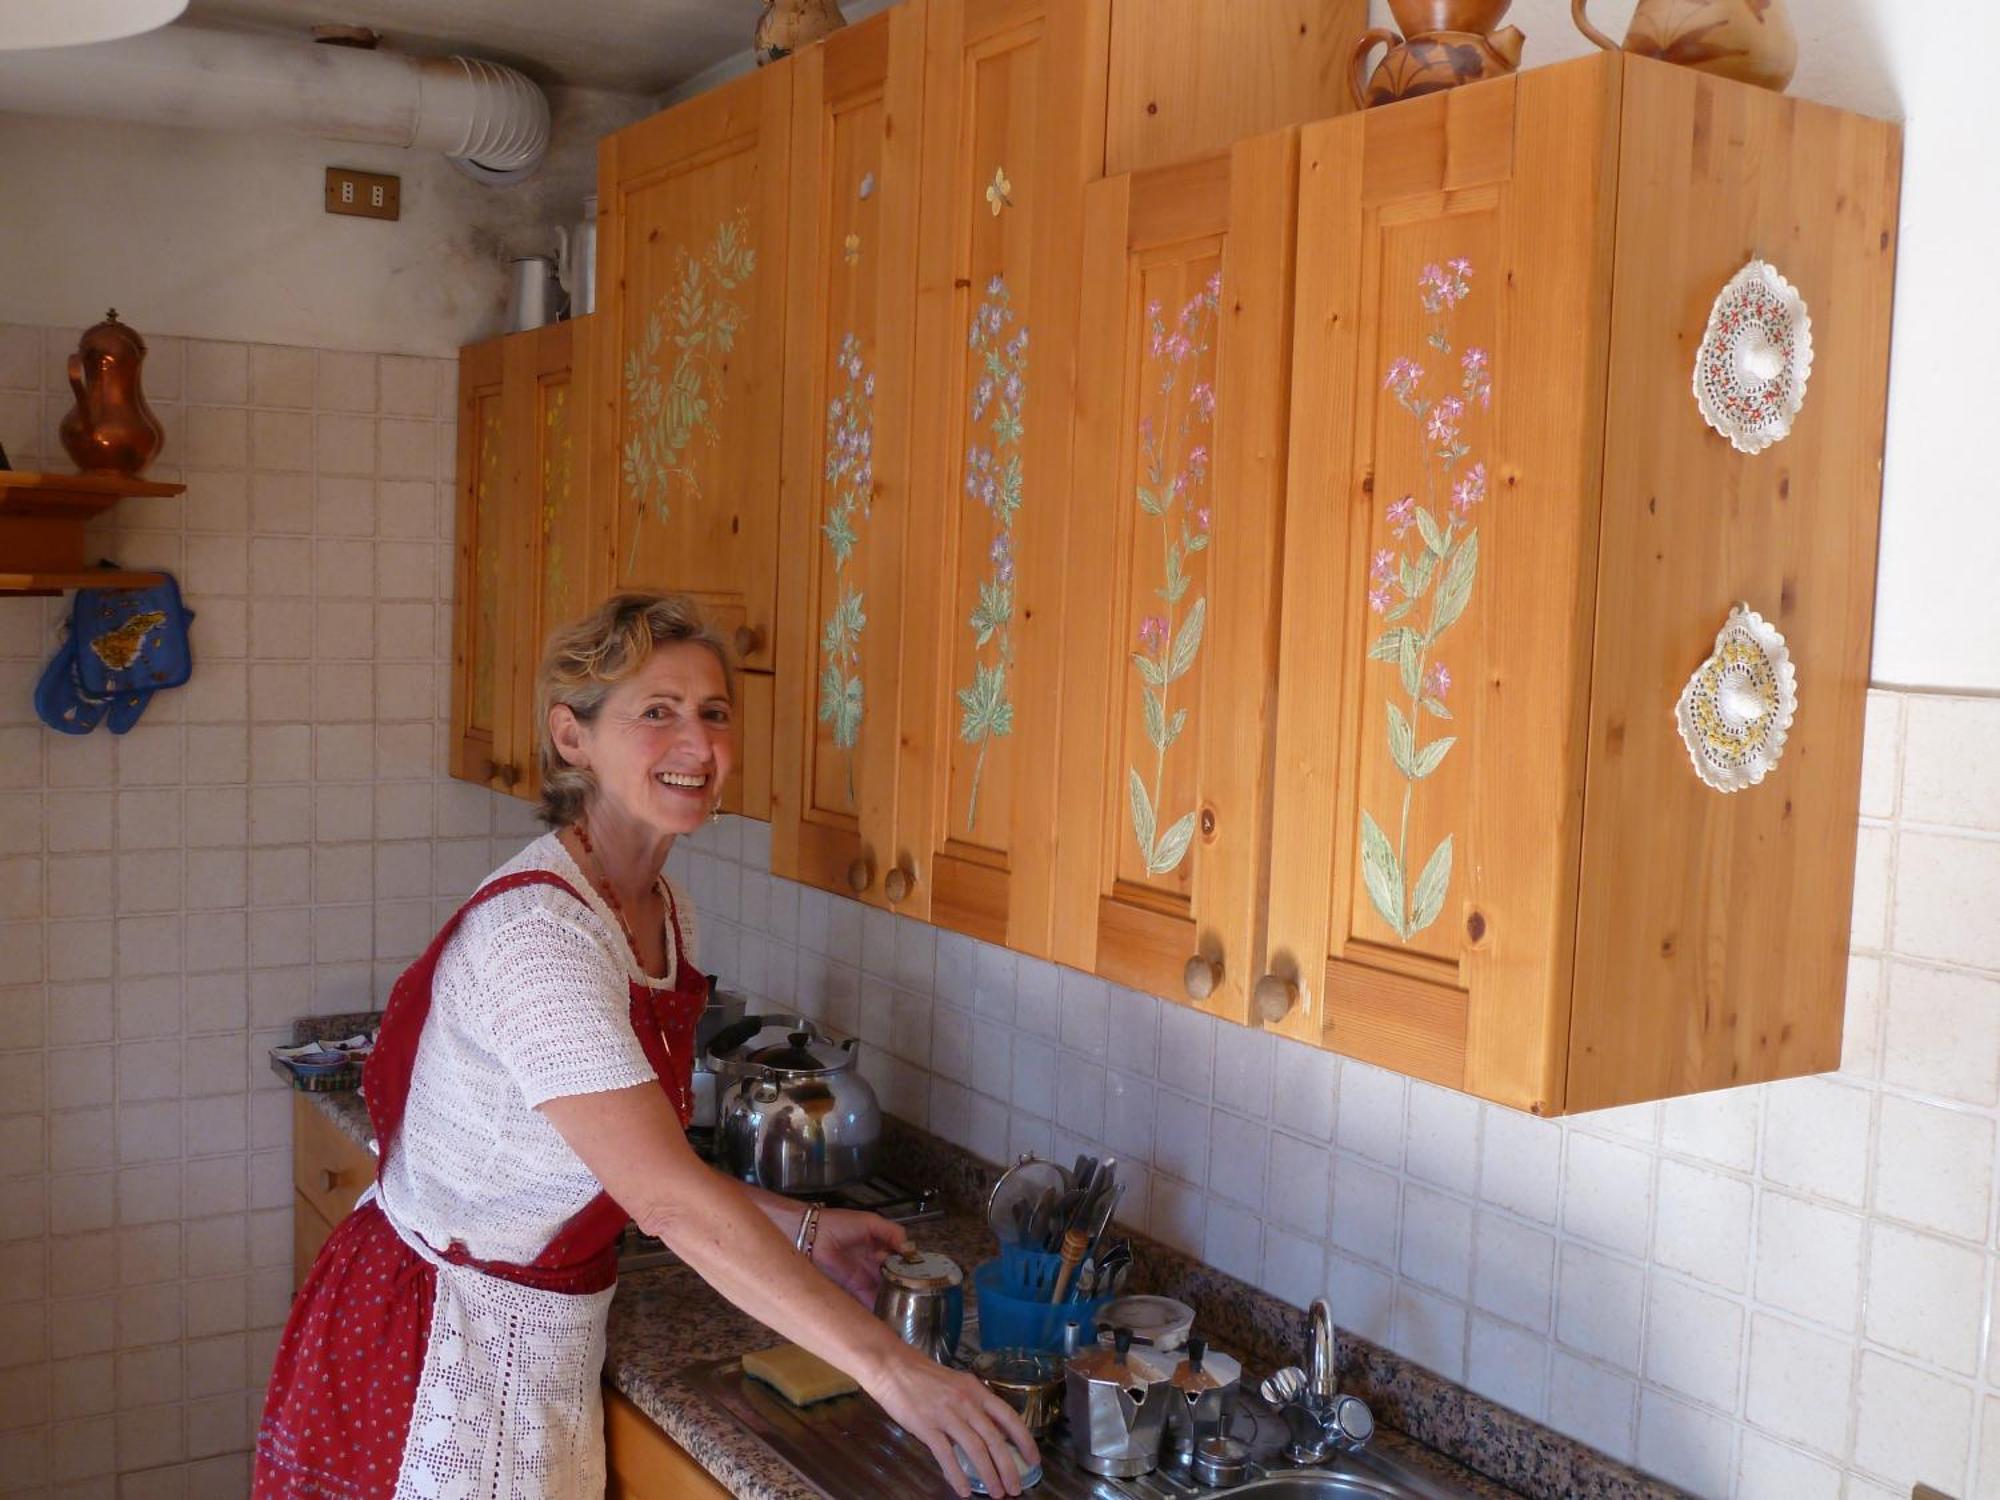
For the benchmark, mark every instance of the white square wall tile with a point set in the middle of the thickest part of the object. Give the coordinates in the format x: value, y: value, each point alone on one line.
x: 1366, y: 1210
x: 1861, y: 1024
x: 1303, y: 1093
x: 1911, y: 1425
x: 1132, y: 1031
x: 1925, y: 1297
x: 1702, y: 1225
x: 1694, y: 1342
x: 1513, y: 1273
x: 1719, y: 1128
x: 1187, y: 1050
x: 1436, y: 1247
x: 1946, y: 891
x: 1508, y: 1365
x: 1294, y: 1266
x: 1800, y: 1384
x: 1443, y: 1145
x: 1520, y: 1163
x: 1943, y: 1033
x: 1951, y: 746
x: 1809, y: 1260
x: 1301, y: 1184
x: 1607, y: 1193
x: 1362, y: 1296
x: 1874, y: 854
x: 1237, y: 1152
x: 1598, y: 1306
x: 1934, y: 1167
x: 1243, y: 1062
x: 1128, y: 1117
x: 1816, y: 1138
x: 1429, y: 1329
x: 1180, y: 1136
x: 1233, y: 1242
x: 1371, y: 1108
x: 1590, y: 1403
x: 1766, y: 1467
x: 1692, y: 1448
x: 1881, y: 754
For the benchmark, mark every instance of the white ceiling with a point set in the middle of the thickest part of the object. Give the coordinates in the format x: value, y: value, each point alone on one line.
x: 634, y: 46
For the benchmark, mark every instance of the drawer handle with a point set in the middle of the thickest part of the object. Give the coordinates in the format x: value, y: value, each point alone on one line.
x: 899, y: 882
x: 1202, y: 975
x: 1275, y: 998
x: 328, y: 1179
x: 860, y: 875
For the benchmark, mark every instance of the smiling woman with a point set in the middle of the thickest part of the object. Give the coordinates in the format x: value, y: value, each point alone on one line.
x: 529, y: 1092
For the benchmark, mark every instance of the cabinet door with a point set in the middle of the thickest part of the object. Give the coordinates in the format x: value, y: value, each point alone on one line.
x: 483, y: 738
x: 1171, y: 604
x: 852, y: 287
x: 691, y: 237
x: 1448, y: 413
x: 1013, y: 129
x: 548, y: 403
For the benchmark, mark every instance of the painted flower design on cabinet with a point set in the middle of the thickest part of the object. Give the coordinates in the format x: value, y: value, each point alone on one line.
x: 697, y: 321
x: 993, y: 481
x: 850, y: 481
x: 557, y: 456
x: 1176, y: 496
x: 1434, y: 563
x: 486, y: 562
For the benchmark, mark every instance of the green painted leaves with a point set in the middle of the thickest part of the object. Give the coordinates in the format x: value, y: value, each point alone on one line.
x: 850, y: 481
x: 696, y: 322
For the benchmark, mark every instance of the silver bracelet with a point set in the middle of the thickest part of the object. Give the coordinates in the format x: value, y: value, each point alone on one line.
x: 808, y: 1231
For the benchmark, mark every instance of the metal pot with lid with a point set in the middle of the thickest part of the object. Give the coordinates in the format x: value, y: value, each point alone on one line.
x: 796, y: 1116
x: 922, y: 1297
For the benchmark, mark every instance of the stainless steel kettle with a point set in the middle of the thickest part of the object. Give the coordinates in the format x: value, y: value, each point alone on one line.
x: 796, y: 1115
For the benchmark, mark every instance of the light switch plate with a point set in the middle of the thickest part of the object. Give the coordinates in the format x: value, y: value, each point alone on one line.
x: 371, y: 195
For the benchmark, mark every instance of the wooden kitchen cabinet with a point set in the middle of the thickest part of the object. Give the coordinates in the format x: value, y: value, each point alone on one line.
x: 329, y: 1171
x: 485, y: 737
x: 1013, y: 128
x: 643, y: 1463
x: 847, y: 500
x: 1170, y: 608
x: 1493, y: 866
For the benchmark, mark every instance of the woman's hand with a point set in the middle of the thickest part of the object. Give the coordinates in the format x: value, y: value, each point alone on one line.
x: 851, y: 1247
x: 940, y: 1407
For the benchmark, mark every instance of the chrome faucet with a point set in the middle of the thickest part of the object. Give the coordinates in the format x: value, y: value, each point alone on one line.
x: 1319, y: 1418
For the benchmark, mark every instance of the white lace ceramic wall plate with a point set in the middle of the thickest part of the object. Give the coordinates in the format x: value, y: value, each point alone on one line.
x: 1736, y: 710
x: 1750, y: 374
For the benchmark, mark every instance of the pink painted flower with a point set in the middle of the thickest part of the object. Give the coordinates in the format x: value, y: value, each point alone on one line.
x: 1383, y: 567
x: 1441, y: 427
x: 1214, y: 287
x: 1152, y: 632
x: 1378, y: 598
x: 1197, y: 460
x: 1201, y: 518
x: 1404, y: 376
x: 1437, y: 681
x: 1202, y: 398
x: 1470, y: 489
x: 1477, y: 377
x: 1402, y: 514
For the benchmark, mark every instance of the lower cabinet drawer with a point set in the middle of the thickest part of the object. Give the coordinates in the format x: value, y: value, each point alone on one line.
x: 643, y: 1463
x: 329, y: 1170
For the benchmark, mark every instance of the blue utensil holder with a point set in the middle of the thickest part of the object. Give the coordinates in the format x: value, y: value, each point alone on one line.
x: 1012, y: 1315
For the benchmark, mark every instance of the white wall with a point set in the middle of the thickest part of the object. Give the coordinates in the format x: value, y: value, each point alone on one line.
x: 1934, y: 622
x: 212, y: 234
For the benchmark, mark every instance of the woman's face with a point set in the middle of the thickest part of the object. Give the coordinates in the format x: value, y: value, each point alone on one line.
x: 663, y: 743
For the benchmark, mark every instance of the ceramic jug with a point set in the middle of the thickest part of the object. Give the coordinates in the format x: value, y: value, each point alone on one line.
x: 110, y: 429
x: 1424, y: 62
x: 788, y: 25
x: 1751, y: 41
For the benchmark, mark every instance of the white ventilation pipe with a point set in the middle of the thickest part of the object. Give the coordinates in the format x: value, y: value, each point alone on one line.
x: 488, y: 119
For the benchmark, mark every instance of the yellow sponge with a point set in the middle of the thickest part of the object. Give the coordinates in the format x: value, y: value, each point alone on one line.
x: 798, y: 1375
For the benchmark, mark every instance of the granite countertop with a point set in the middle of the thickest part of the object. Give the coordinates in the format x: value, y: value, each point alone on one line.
x: 666, y: 1322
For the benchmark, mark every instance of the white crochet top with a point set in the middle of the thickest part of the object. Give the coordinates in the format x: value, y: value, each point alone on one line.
x: 530, y: 1002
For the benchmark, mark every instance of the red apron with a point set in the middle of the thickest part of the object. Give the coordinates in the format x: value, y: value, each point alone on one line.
x: 337, y: 1412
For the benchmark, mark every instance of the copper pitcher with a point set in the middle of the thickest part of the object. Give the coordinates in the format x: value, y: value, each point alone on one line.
x: 1428, y: 61
x: 110, y: 429
x: 1751, y: 41
x: 788, y: 25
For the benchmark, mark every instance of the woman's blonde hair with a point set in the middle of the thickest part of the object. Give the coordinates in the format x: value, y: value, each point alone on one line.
x: 586, y: 659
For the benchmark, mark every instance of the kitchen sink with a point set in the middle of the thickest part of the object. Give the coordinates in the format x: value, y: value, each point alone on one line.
x: 1367, y: 1475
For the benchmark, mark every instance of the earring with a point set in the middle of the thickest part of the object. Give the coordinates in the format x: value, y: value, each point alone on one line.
x: 715, y: 811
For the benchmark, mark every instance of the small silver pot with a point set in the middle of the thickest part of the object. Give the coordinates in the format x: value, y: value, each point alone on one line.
x: 796, y: 1116
x: 922, y: 1297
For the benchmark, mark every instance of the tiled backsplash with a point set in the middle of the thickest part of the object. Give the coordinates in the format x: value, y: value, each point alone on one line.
x: 1774, y: 1293
x: 271, y: 839
x: 1779, y: 1293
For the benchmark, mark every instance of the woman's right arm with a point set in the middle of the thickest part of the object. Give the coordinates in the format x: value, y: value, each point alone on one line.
x: 633, y: 1144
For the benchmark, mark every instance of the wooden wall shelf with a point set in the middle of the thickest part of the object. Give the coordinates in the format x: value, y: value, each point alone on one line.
x: 42, y: 517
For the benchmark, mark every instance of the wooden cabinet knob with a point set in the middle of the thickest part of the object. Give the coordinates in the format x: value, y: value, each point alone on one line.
x: 1201, y: 976
x: 328, y: 1179
x: 860, y: 875
x: 1274, y: 998
x: 899, y: 882
x: 749, y: 640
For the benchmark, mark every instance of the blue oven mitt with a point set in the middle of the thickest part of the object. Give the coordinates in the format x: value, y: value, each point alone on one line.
x: 121, y: 647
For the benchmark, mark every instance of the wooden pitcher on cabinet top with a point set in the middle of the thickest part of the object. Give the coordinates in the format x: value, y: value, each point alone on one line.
x: 1751, y: 41
x: 1443, y: 43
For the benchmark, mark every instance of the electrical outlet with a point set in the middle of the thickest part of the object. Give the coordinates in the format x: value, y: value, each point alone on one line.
x: 368, y: 194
